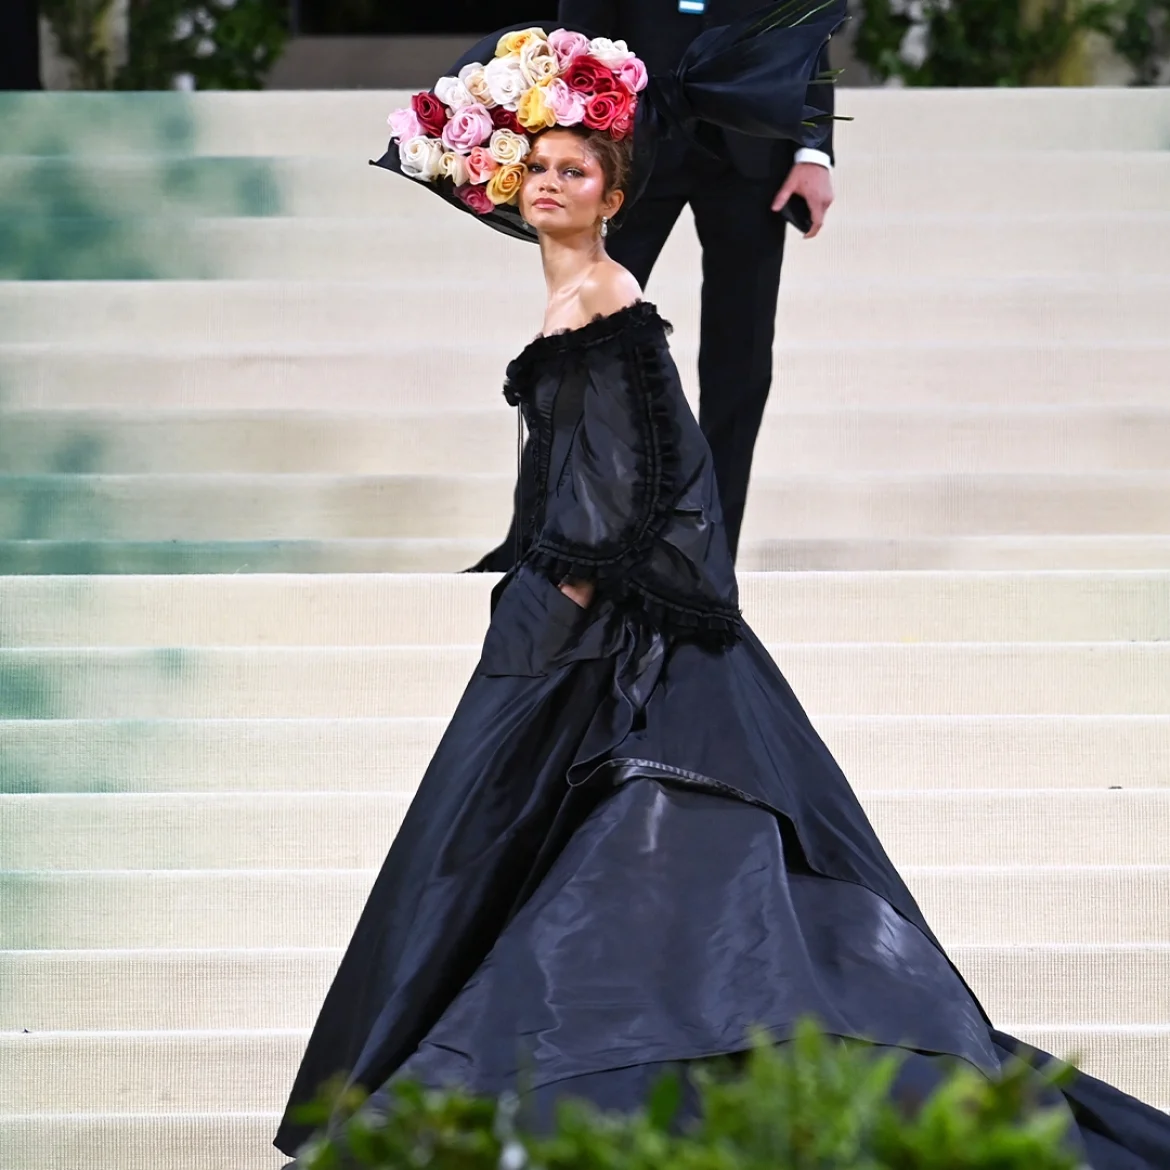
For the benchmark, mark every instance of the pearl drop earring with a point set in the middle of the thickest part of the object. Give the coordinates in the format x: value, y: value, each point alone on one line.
x: 604, y: 226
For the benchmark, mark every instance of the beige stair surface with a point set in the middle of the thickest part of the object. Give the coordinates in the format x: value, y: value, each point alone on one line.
x: 362, y: 755
x: 233, y: 352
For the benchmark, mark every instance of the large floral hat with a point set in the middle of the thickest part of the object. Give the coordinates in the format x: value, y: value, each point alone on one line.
x: 468, y: 136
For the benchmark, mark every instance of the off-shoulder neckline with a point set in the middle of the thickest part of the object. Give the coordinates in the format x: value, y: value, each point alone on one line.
x: 602, y: 327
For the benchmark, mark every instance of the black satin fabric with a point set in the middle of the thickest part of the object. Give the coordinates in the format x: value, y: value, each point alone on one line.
x: 631, y: 846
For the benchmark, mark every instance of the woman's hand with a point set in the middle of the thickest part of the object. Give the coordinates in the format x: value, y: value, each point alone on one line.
x: 579, y: 591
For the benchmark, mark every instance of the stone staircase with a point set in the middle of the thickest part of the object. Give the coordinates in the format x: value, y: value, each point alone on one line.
x: 242, y: 375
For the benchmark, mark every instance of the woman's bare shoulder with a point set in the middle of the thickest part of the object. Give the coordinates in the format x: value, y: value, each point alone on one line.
x: 609, y: 289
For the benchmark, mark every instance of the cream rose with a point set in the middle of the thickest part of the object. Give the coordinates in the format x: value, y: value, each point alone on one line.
x: 611, y: 53
x: 421, y: 158
x: 508, y: 148
x: 504, y: 185
x: 538, y: 62
x: 453, y: 93
x: 472, y: 77
x: 505, y: 81
x: 512, y: 43
x: 453, y: 166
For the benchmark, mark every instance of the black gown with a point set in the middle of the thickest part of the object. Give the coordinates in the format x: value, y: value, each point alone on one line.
x: 631, y: 846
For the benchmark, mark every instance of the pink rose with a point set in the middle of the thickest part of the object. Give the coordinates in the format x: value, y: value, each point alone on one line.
x: 476, y: 198
x: 567, y: 105
x: 404, y: 124
x: 567, y: 46
x: 468, y: 127
x: 480, y: 164
x: 632, y: 74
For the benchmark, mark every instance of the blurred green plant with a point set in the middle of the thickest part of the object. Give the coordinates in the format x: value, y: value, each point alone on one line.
x: 1009, y: 42
x: 171, y: 44
x: 815, y: 1103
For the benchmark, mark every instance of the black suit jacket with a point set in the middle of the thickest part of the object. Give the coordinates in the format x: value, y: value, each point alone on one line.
x: 660, y: 34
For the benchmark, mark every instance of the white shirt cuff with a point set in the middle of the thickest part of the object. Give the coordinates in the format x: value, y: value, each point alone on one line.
x: 804, y: 154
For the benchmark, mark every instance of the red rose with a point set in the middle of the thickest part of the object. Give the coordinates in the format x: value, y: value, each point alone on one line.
x: 431, y: 113
x: 588, y: 75
x: 623, y: 125
x: 475, y: 197
x: 611, y: 111
x: 506, y: 120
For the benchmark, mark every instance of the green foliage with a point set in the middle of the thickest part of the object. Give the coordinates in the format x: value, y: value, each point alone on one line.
x: 1010, y: 42
x: 815, y: 1103
x: 219, y: 44
x: 981, y: 42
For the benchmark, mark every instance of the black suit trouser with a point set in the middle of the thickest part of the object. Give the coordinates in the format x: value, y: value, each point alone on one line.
x: 743, y: 247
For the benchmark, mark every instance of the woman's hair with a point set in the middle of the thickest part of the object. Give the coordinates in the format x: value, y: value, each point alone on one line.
x: 616, y: 157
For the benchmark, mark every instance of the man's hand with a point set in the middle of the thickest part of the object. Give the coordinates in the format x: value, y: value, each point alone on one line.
x: 815, y: 183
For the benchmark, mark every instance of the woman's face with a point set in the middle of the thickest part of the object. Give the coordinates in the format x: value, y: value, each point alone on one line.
x: 564, y: 189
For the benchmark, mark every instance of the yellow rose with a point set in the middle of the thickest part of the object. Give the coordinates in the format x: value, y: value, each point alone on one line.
x: 534, y: 113
x: 504, y: 185
x: 511, y: 43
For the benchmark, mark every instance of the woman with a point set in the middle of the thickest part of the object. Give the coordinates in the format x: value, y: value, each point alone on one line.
x: 631, y: 846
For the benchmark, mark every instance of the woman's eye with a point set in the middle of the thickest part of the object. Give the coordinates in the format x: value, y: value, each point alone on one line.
x: 535, y: 168
x: 574, y: 172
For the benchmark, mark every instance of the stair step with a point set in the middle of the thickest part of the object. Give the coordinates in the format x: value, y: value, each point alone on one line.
x: 921, y: 182
x: 199, y: 990
x: 1018, y: 242
x: 1088, y: 440
x: 444, y: 609
x: 151, y: 1072
x: 255, y: 312
x: 351, y: 126
x: 981, y: 905
x: 970, y: 553
x: 354, y: 829
x: 356, y: 755
x: 844, y: 505
x: 381, y: 681
x: 834, y: 376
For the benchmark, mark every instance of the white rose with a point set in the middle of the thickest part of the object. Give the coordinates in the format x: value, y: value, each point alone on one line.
x: 453, y: 93
x: 507, y: 147
x: 472, y: 77
x: 611, y: 53
x: 453, y: 166
x: 505, y: 81
x: 538, y: 62
x: 421, y: 158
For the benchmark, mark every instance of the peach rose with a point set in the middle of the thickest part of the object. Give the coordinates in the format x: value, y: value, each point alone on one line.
x: 512, y: 43
x: 480, y: 165
x: 535, y: 111
x: 504, y: 185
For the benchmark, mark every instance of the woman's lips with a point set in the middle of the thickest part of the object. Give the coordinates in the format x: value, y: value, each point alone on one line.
x: 551, y: 203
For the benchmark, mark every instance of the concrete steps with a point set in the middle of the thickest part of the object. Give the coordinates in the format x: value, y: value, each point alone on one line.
x: 1089, y: 678
x: 842, y: 506
x: 356, y: 755
x: 443, y: 609
x: 1132, y: 310
x: 950, y: 246
x: 1087, y: 439
x: 353, y: 830
x: 215, y: 990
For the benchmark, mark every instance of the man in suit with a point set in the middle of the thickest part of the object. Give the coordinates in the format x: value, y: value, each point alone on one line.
x: 735, y: 198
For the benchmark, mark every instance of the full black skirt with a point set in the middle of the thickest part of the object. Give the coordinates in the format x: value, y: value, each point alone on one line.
x: 629, y: 853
